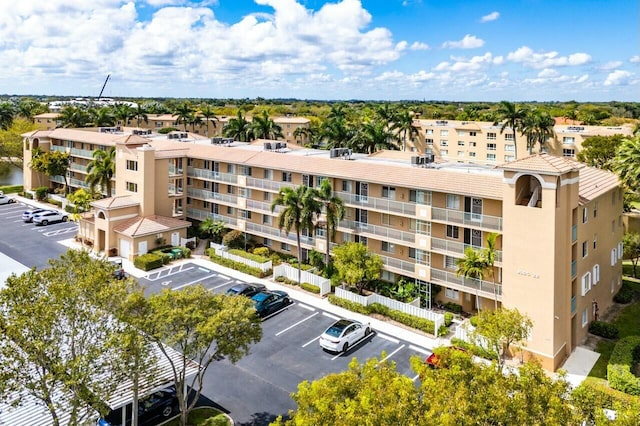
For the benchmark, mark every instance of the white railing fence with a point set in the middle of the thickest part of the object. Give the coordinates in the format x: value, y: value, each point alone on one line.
x: 466, y: 332
x: 407, y: 308
x: 291, y: 273
x: 222, y: 252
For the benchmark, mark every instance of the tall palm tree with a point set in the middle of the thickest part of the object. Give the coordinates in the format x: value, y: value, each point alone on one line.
x: 529, y: 131
x: 333, y: 209
x: 238, y: 128
x: 300, y: 206
x: 195, y: 120
x: 102, y: 117
x: 123, y: 113
x: 209, y: 117
x: 373, y: 136
x: 473, y: 265
x: 74, y: 117
x: 544, y: 124
x: 183, y: 114
x: 301, y: 134
x: 28, y: 108
x: 7, y: 112
x: 403, y: 124
x: 101, y: 169
x: 212, y: 227
x: 263, y: 127
x: 627, y: 163
x: 489, y: 254
x: 140, y: 114
x: 510, y: 116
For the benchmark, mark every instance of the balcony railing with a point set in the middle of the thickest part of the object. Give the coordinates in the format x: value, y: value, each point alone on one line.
x: 78, y: 167
x: 379, y: 232
x: 58, y: 148
x: 203, y: 214
x: 471, y: 219
x: 87, y: 153
x: 574, y: 234
x: 275, y: 232
x: 77, y: 182
x: 173, y: 170
x: 574, y: 305
x: 208, y: 174
x: 175, y: 190
x: 466, y: 284
x: 58, y: 179
x: 438, y: 244
x: 383, y: 204
x: 574, y: 269
x: 259, y: 206
x: 203, y: 194
x: 270, y: 185
x: 399, y: 264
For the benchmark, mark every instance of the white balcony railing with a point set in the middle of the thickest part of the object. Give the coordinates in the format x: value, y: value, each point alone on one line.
x: 211, y: 175
x: 452, y: 280
x: 456, y: 247
x: 379, y: 232
x: 439, y: 214
x: 382, y: 204
x: 269, y: 185
x: 203, y: 214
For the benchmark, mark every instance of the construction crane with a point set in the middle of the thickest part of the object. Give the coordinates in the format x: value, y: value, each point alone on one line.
x: 103, y: 86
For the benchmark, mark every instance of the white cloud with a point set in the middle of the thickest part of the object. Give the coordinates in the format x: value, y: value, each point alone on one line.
x: 461, y: 64
x: 467, y: 42
x: 416, y: 45
x: 610, y: 65
x: 618, y: 78
x: 532, y: 59
x: 547, y: 72
x: 490, y: 17
x: 634, y: 59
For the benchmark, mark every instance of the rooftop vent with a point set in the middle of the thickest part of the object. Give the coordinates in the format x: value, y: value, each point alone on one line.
x: 340, y: 153
x: 422, y: 160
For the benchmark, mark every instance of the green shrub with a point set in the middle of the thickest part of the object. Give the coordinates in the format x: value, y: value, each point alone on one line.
x: 251, y: 256
x: 166, y: 257
x: 148, y: 261
x: 41, y: 193
x: 625, y: 295
x: 233, y: 239
x: 636, y: 354
x: 619, y: 369
x: 310, y: 287
x: 166, y: 130
x: 594, y: 394
x: 11, y: 189
x: 27, y: 195
x: 448, y: 318
x: 54, y: 202
x: 347, y: 304
x: 238, y: 266
x: 186, y: 252
x: 262, y: 251
x: 453, y: 307
x: 474, y: 320
x: 476, y: 350
x: 603, y: 329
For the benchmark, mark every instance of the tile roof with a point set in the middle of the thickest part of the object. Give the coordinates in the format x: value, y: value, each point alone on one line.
x: 116, y: 202
x: 595, y: 182
x: 131, y: 140
x: 544, y: 163
x: 37, y: 133
x: 140, y: 226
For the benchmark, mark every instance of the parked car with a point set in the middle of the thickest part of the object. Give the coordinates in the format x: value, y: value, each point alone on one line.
x: 152, y: 410
x: 246, y: 289
x: 6, y: 200
x: 267, y: 302
x: 49, y: 216
x: 434, y: 360
x: 27, y: 215
x: 343, y: 334
x: 119, y: 273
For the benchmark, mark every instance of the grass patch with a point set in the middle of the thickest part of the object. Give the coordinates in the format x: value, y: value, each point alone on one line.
x: 198, y: 416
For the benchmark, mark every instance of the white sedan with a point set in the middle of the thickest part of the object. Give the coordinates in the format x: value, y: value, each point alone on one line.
x: 6, y: 200
x: 343, y: 334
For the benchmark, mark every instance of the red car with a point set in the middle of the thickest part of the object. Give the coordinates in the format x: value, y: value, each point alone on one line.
x: 434, y: 360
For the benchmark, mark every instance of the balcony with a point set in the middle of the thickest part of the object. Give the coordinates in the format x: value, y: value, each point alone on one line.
x: 378, y: 232
x: 398, y: 264
x: 574, y: 234
x: 381, y: 204
x: 78, y: 167
x: 456, y: 247
x: 87, y: 153
x: 211, y: 175
x: 175, y: 171
x: 574, y: 305
x: 479, y: 287
x: 203, y: 214
x: 473, y: 220
x: 175, y: 190
x: 58, y: 148
x: 266, y: 184
x: 77, y: 183
x: 58, y: 179
x: 262, y: 207
x: 574, y: 269
x: 210, y: 196
x: 265, y: 230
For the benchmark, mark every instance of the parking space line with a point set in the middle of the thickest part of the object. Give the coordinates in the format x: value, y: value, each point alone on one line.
x: 310, y: 342
x: 421, y: 350
x: 389, y: 338
x: 392, y: 353
x: 169, y: 271
x: 224, y: 277
x: 203, y: 269
x: 358, y: 343
x: 194, y: 282
x: 277, y: 312
x: 298, y: 323
x: 415, y: 377
x: 221, y: 285
x: 330, y: 316
x: 306, y: 307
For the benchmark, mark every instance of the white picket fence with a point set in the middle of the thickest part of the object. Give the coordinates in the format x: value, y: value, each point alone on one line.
x: 184, y: 241
x: 222, y: 252
x: 291, y: 273
x: 466, y: 332
x: 407, y: 308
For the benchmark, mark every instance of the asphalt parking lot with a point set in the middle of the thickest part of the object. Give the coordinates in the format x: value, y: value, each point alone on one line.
x: 257, y: 389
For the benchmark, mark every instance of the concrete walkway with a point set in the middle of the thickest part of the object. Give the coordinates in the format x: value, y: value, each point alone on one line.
x: 579, y: 364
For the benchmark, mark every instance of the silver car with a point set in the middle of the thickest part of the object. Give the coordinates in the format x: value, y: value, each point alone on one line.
x: 6, y: 200
x: 50, y: 216
x: 27, y: 216
x: 343, y: 334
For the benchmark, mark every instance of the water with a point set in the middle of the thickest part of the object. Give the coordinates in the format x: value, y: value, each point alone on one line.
x: 10, y: 175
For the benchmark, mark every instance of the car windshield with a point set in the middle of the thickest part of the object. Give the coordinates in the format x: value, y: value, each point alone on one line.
x: 260, y: 297
x: 336, y: 329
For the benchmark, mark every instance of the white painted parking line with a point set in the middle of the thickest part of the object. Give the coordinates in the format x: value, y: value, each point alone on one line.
x: 415, y: 378
x: 421, y: 350
x: 194, y: 282
x: 392, y: 353
x: 60, y: 231
x: 310, y: 342
x: 389, y: 338
x: 203, y: 269
x: 156, y: 275
x: 224, y: 277
x: 358, y: 343
x: 330, y: 316
x: 165, y: 283
x: 306, y: 307
x: 298, y: 323
x: 221, y: 285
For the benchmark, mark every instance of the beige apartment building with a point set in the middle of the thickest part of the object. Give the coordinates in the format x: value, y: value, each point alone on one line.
x: 559, y: 223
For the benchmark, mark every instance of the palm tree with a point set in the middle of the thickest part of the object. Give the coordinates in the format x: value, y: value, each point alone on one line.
x: 123, y: 113
x: 238, y: 128
x: 627, y: 163
x: 403, y: 124
x: 101, y: 169
x: 529, y: 131
x: 510, y: 116
x: 545, y: 124
x: 213, y: 228
x: 74, y: 117
x: 183, y: 114
x: 333, y: 208
x: 209, y: 117
x: 102, y: 117
x: 140, y: 114
x: 28, y: 108
x: 489, y: 254
x: 301, y: 133
x: 373, y: 136
x: 7, y: 112
x: 195, y: 120
x: 299, y: 208
x: 473, y: 265
x: 264, y: 127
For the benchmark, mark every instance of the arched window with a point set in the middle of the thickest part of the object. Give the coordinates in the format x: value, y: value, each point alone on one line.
x: 528, y: 191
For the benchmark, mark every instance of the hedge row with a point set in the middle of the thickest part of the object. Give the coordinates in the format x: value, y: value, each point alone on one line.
x: 619, y: 372
x: 600, y: 395
x: 418, y: 323
x: 448, y: 318
x: 625, y: 295
x: 476, y: 350
x: 148, y: 261
x: 305, y: 286
x: 238, y: 266
x: 603, y: 329
x: 250, y: 256
x: 11, y: 189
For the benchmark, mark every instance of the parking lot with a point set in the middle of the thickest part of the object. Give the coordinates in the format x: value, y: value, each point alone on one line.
x: 258, y: 387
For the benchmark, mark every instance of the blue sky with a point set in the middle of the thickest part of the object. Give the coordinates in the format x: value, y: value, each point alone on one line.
x: 471, y: 50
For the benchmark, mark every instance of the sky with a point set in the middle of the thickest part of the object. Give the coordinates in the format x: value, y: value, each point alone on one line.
x: 452, y: 50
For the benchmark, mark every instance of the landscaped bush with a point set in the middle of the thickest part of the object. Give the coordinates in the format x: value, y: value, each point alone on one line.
x: 595, y: 394
x: 148, y: 261
x: 166, y: 257
x: 474, y: 349
x: 238, y: 266
x: 54, y: 202
x: 347, y: 304
x: 186, y: 252
x: 190, y: 245
x: 233, y: 239
x: 448, y: 318
x: 310, y: 288
x: 453, y: 307
x: 620, y: 369
x: 262, y: 251
x: 603, y: 329
x: 11, y: 189
x: 166, y: 130
x: 27, y: 195
x: 41, y: 193
x: 625, y: 295
x: 250, y: 256
x: 474, y: 320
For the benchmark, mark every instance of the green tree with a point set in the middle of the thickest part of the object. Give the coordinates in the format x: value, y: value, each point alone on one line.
x: 489, y: 254
x: 209, y: 116
x: 123, y: 113
x: 333, y: 209
x: 52, y: 163
x: 299, y: 207
x: 600, y: 151
x: 627, y: 163
x: 11, y: 141
x: 102, y: 117
x: 74, y: 117
x: 373, y: 136
x: 101, y: 169
x: 263, y: 127
x: 510, y: 116
x: 183, y: 114
x: 473, y: 265
x: 631, y: 248
x: 403, y: 124
x: 204, y: 327
x: 7, y: 113
x: 239, y: 128
x: 81, y: 201
x: 502, y: 328
x: 213, y: 228
x: 57, y: 335
x: 356, y: 265
x: 140, y: 114
x: 28, y: 108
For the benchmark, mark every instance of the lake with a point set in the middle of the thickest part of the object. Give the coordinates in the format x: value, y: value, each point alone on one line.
x: 10, y: 175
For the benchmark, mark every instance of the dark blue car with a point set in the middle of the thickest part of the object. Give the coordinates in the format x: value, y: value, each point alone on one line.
x: 268, y: 302
x: 152, y: 410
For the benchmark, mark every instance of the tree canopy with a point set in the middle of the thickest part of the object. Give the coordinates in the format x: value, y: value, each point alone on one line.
x: 356, y: 265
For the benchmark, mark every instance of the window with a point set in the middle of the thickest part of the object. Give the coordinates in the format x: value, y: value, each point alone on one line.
x: 285, y: 246
x: 472, y: 144
x: 491, y: 157
x: 613, y: 226
x: 472, y: 154
x: 420, y: 197
x: 231, y: 189
x: 245, y: 214
x: 266, y: 219
x: 230, y: 211
x: 595, y: 241
x: 491, y: 136
x: 444, y: 152
x: 614, y: 257
x: 307, y: 180
x: 132, y: 165
x: 491, y: 146
x: 586, y: 283
x: 450, y: 262
x: 428, y: 131
x: 585, y: 215
x: 451, y: 294
x: 389, y: 192
x: 509, y: 148
x: 508, y: 158
x: 245, y: 170
x: 206, y: 184
x: 452, y: 231
x: 472, y: 133
x: 620, y: 248
x: 231, y: 168
x: 460, y: 153
x: 508, y: 137
x: 568, y: 140
x: 566, y: 152
x: 244, y: 192
x: 444, y: 133
x: 266, y: 196
x: 132, y: 187
x: 453, y: 202
x: 420, y: 226
x: 444, y: 143
x: 385, y: 219
x: 189, y: 162
x: 387, y: 247
x: 596, y: 274
x: 585, y: 248
x: 460, y: 132
x: 595, y: 209
x: 268, y: 174
x: 286, y: 176
x: 346, y: 185
x: 429, y: 141
x: 460, y: 143
x: 585, y: 318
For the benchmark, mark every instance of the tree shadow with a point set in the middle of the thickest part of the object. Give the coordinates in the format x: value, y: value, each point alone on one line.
x: 262, y: 419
